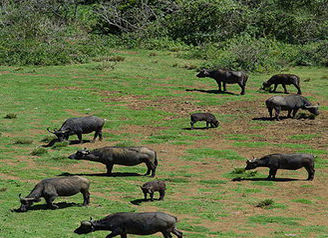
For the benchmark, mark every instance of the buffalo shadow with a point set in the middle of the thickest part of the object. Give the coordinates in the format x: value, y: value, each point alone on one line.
x: 117, y: 174
x: 210, y: 91
x: 197, y: 128
x: 61, y: 205
x: 266, y: 179
x: 70, y: 142
x: 139, y: 201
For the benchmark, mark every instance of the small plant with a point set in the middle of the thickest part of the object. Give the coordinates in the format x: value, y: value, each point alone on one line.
x: 238, y: 171
x: 22, y: 141
x: 39, y: 151
x: 3, y: 189
x: 265, y: 203
x: 190, y: 66
x: 125, y: 144
x: 116, y: 58
x: 60, y: 145
x: 153, y: 54
x: 11, y: 116
x: 104, y: 66
x: 48, y: 138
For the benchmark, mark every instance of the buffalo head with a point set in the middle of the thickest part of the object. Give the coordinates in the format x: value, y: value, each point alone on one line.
x: 312, y: 109
x: 203, y: 73
x: 251, y: 164
x: 61, y: 134
x: 26, y: 203
x: 85, y: 227
x: 80, y: 154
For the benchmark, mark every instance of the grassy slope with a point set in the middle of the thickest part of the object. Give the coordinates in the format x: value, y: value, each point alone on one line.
x: 132, y: 98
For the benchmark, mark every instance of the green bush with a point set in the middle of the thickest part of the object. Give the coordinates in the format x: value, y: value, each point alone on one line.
x: 39, y: 151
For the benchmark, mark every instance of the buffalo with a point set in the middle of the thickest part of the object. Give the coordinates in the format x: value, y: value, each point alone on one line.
x: 283, y: 161
x: 124, y: 223
x: 78, y: 126
x: 154, y: 186
x: 283, y: 79
x: 226, y: 77
x: 128, y: 156
x: 290, y: 103
x: 51, y: 188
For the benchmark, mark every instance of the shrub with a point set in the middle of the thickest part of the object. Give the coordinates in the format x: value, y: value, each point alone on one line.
x: 11, y: 116
x: 265, y: 203
x: 22, y: 141
x: 39, y: 151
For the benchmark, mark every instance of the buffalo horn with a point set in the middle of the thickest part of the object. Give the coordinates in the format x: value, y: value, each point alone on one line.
x: 50, y: 131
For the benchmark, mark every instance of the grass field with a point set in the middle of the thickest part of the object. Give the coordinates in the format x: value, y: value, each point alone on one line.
x: 147, y: 98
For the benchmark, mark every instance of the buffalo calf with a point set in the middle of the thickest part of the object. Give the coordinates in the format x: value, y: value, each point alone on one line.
x: 154, y: 186
x: 208, y: 117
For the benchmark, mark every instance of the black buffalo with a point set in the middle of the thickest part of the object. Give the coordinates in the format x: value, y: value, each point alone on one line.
x: 124, y: 223
x: 226, y: 77
x: 51, y: 188
x: 78, y: 126
x: 290, y: 103
x: 154, y: 186
x: 128, y: 156
x: 283, y: 161
x: 208, y: 117
x: 283, y: 79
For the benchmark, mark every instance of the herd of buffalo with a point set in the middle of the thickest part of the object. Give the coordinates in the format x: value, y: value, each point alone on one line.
x: 152, y: 222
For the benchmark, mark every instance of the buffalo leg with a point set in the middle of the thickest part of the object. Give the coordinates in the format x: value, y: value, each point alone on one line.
x: 109, y: 168
x: 192, y: 125
x: 285, y: 89
x: 274, y: 88
x: 224, y: 86
x: 277, y: 111
x: 145, y: 195
x: 86, y: 197
x: 123, y: 236
x: 289, y: 112
x: 207, y: 124
x: 294, y: 112
x: 219, y: 84
x: 310, y: 171
x: 50, y: 200
x: 270, y: 112
x: 242, y: 88
x: 79, y: 135
x: 151, y: 195
x: 272, y: 174
x: 151, y: 167
x: 161, y: 194
x: 114, y: 233
x: 298, y: 89
x: 176, y: 232
x: 166, y: 234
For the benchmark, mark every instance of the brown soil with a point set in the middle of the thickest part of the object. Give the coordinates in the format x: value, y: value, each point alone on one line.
x: 250, y: 114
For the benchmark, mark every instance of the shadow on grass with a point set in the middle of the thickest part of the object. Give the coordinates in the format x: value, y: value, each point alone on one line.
x: 104, y: 175
x: 196, y: 128
x: 139, y: 201
x: 265, y: 179
x: 61, y: 205
x: 264, y: 119
x: 71, y: 142
x: 210, y: 91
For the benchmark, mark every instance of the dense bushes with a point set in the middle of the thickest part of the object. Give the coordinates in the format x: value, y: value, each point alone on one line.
x: 259, y: 35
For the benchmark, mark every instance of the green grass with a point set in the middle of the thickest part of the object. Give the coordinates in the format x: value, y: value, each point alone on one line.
x: 134, y: 97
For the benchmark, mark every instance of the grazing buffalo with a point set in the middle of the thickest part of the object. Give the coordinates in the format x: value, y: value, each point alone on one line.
x: 226, y: 77
x: 208, y: 117
x: 51, y: 188
x: 290, y: 103
x: 128, y: 156
x: 283, y: 161
x: 154, y: 186
x: 79, y: 126
x: 283, y: 79
x: 124, y: 223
